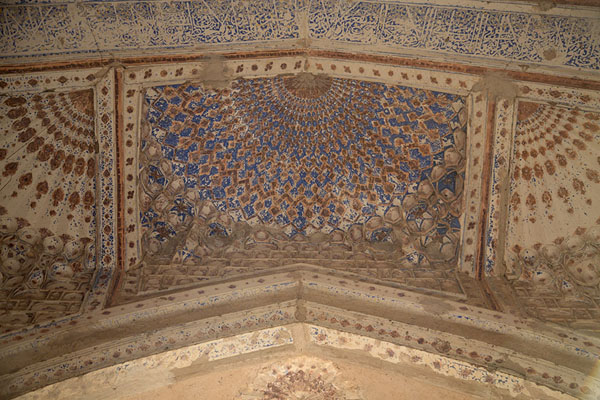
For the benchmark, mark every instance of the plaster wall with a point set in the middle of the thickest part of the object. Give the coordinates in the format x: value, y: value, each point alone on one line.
x: 159, y: 163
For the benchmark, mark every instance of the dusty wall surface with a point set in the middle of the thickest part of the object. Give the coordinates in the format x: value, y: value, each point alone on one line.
x: 386, y: 324
x: 306, y: 377
x: 130, y: 272
x: 301, y: 361
x: 411, y: 184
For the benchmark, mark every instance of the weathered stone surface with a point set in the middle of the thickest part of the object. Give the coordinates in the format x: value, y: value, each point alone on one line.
x: 410, y: 188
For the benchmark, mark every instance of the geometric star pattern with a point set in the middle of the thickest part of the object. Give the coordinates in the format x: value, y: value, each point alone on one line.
x: 305, y: 153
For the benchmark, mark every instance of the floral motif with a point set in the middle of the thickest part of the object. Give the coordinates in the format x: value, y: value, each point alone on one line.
x: 302, y: 378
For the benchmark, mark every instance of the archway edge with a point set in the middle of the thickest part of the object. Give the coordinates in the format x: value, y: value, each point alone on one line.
x: 311, y: 295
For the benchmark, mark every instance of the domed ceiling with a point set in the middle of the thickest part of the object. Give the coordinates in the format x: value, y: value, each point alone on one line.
x: 299, y: 169
x: 411, y: 186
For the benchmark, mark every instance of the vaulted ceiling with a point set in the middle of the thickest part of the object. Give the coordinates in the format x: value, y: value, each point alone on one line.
x: 327, y: 176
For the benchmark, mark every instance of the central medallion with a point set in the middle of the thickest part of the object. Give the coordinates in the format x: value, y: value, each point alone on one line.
x: 308, y: 86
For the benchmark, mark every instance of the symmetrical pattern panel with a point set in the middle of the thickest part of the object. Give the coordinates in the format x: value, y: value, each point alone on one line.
x: 47, y: 197
x: 306, y: 168
x: 553, y: 232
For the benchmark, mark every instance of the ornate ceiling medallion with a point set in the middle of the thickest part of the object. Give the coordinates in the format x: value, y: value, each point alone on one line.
x: 308, y: 86
x: 298, y: 169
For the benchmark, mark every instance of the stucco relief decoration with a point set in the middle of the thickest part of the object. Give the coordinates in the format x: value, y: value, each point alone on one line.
x: 300, y: 378
x: 494, y: 32
x: 461, y: 30
x: 87, y: 27
x: 553, y: 232
x: 47, y: 212
x: 306, y: 168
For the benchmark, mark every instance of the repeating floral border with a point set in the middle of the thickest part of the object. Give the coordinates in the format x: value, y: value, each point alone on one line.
x: 503, y: 133
x: 209, y: 351
x: 107, y: 198
x: 440, y: 364
x: 315, y: 285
